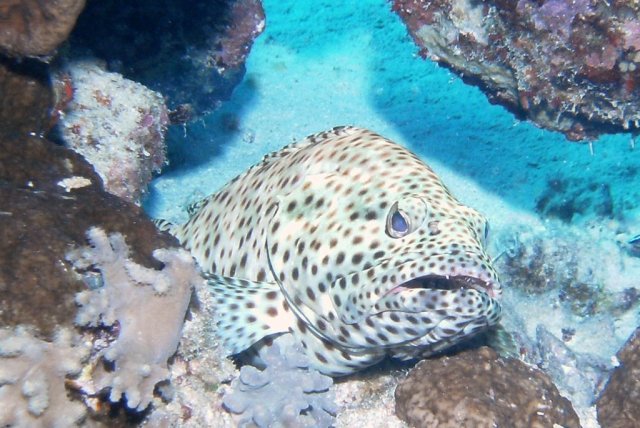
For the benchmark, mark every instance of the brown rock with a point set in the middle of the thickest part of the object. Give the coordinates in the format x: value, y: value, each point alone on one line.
x: 569, y: 66
x: 43, y: 217
x: 619, y: 403
x: 25, y: 97
x: 478, y: 389
x: 36, y: 27
x: 193, y: 51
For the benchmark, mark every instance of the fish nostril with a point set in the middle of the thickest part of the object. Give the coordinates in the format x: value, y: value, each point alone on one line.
x: 434, y: 228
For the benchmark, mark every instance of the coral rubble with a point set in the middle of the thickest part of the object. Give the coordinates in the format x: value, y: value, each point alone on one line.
x: 477, y: 388
x: 200, y: 372
x: 578, y: 377
x: 567, y: 65
x: 118, y: 125
x: 618, y: 405
x: 560, y: 260
x: 36, y: 28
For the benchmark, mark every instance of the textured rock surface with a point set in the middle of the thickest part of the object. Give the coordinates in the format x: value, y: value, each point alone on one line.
x: 619, y: 404
x: 42, y: 217
x: 367, y: 399
x: 568, y: 65
x: 199, y: 373
x: 36, y: 27
x: 118, y: 125
x: 25, y: 97
x: 476, y: 388
x: 192, y: 52
x: 560, y: 261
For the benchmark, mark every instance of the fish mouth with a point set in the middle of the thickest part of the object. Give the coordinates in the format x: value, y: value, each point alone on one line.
x: 438, y: 282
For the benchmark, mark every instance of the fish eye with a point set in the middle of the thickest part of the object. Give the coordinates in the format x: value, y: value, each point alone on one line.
x: 398, y: 224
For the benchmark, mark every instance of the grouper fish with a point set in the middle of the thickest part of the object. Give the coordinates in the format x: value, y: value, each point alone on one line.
x: 351, y: 244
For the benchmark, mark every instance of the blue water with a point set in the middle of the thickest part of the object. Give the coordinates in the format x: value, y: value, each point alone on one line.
x: 320, y: 64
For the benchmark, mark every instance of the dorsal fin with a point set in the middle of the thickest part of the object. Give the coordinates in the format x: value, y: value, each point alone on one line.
x: 306, y: 142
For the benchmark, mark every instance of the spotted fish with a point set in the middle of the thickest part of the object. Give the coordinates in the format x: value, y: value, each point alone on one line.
x: 350, y: 243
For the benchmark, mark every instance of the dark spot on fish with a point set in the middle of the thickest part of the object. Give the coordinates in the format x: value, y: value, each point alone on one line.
x: 310, y: 294
x: 271, y: 295
x: 321, y: 358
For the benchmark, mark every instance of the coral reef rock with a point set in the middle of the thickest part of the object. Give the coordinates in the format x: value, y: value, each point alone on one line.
x: 367, y: 399
x: 200, y: 372
x: 147, y: 305
x: 566, y: 65
x: 578, y: 376
x: 32, y: 379
x: 477, y: 388
x: 619, y: 404
x: 560, y: 260
x: 49, y: 196
x: 25, y: 99
x: 193, y: 52
x: 36, y: 28
x: 118, y: 125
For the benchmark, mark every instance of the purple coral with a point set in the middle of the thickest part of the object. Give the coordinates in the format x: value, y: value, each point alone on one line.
x: 286, y: 392
x: 558, y: 15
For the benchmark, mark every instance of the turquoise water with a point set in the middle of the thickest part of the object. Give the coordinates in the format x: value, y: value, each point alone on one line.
x: 326, y: 63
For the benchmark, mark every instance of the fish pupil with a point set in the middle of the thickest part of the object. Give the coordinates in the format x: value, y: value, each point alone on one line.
x: 398, y: 223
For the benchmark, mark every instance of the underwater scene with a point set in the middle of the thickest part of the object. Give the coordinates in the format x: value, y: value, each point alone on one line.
x: 268, y: 213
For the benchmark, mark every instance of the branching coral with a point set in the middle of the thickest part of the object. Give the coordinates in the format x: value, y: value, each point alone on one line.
x: 286, y: 392
x: 32, y: 379
x: 147, y: 306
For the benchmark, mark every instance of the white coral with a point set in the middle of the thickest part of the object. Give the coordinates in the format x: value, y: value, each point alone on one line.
x: 149, y: 306
x: 32, y: 379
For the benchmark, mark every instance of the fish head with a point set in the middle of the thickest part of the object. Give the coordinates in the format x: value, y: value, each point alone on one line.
x: 371, y: 246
